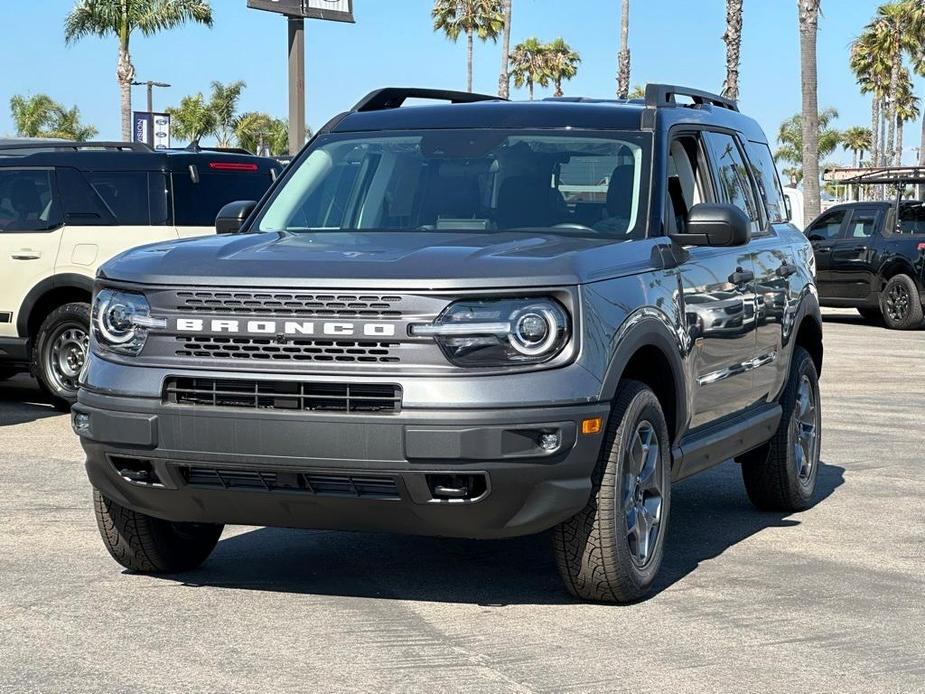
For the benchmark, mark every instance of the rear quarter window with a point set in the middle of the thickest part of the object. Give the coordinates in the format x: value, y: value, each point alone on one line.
x: 762, y: 163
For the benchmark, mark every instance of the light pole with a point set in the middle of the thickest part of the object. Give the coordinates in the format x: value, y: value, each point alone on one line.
x: 150, y: 84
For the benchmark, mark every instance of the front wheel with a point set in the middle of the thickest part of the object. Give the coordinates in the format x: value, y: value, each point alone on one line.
x: 150, y: 545
x: 781, y: 474
x: 612, y: 549
x: 900, y: 303
x: 60, y: 352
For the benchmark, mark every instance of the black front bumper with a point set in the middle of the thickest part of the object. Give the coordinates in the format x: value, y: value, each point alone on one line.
x: 341, y: 471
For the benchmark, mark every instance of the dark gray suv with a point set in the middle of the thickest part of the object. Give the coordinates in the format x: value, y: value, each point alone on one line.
x: 479, y: 319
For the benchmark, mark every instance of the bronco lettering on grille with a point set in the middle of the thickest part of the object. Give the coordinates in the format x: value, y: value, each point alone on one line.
x: 288, y: 327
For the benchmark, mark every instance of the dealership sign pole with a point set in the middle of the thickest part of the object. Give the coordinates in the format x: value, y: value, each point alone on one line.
x: 296, y: 12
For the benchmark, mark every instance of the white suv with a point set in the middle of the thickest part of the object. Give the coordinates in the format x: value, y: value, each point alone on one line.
x: 67, y: 208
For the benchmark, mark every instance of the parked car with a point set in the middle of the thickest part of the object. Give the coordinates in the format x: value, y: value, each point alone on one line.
x: 419, y: 331
x: 870, y: 259
x: 66, y: 208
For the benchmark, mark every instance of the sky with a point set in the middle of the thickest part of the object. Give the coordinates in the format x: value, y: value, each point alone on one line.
x: 393, y: 44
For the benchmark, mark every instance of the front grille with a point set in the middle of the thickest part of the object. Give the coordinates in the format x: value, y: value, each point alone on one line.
x: 295, y: 304
x: 284, y: 395
x: 341, y: 485
x: 350, y: 351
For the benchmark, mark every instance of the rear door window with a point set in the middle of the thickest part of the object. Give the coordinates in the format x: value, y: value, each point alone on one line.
x: 863, y: 223
x: 125, y: 194
x: 732, y: 177
x: 82, y: 205
x: 197, y: 204
x: 28, y: 200
x: 769, y: 187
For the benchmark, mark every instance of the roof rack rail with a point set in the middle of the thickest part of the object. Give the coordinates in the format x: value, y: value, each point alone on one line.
x: 394, y: 97
x: 77, y: 146
x: 662, y: 95
x: 884, y: 176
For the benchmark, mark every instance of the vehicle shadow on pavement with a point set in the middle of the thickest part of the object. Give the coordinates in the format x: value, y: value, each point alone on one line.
x: 710, y: 513
x: 21, y: 401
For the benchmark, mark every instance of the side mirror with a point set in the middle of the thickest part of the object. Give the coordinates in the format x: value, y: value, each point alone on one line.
x: 709, y: 224
x: 231, y: 217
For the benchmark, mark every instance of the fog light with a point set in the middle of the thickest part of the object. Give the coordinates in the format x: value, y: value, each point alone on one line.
x: 81, y: 422
x: 550, y: 442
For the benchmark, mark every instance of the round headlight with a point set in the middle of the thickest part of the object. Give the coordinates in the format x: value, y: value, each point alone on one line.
x: 115, y: 319
x: 121, y: 320
x: 536, y: 329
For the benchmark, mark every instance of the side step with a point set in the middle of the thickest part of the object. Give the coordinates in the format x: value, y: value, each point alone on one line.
x: 715, y: 444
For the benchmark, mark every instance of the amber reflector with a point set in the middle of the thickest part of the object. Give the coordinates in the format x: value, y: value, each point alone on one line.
x: 592, y: 426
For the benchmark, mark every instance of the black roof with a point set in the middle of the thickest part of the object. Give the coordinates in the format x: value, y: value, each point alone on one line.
x: 130, y: 160
x: 382, y: 111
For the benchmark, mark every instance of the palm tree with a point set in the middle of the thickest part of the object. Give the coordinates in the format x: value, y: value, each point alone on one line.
x: 733, y: 39
x: 623, y: 57
x: 530, y: 64
x: 121, y: 18
x: 504, y: 79
x: 224, y: 105
x: 42, y: 116
x: 67, y: 126
x: 563, y: 63
x: 907, y: 109
x: 261, y: 133
x: 32, y: 115
x: 873, y: 75
x: 790, y: 140
x: 857, y: 141
x: 809, y: 23
x: 484, y: 18
x: 193, y: 119
x: 638, y: 92
x: 897, y: 31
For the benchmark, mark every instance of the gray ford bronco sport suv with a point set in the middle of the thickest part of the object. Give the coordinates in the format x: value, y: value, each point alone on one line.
x: 476, y: 319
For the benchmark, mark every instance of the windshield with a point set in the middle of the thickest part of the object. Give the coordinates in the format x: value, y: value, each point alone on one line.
x: 477, y: 181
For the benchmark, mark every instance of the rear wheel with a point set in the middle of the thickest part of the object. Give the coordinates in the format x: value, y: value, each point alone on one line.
x: 781, y: 474
x: 612, y: 549
x: 150, y: 545
x: 60, y: 352
x: 872, y: 315
x: 900, y: 304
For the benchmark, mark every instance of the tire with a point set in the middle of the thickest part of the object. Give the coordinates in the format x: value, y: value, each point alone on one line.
x: 150, y: 545
x: 598, y: 555
x: 871, y: 315
x: 900, y: 304
x: 781, y: 475
x: 60, y: 351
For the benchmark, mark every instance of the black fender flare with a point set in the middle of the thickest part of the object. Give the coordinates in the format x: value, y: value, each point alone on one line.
x: 808, y: 308
x: 63, y: 281
x: 650, y: 327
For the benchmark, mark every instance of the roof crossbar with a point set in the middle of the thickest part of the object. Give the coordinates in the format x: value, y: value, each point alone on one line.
x: 662, y: 95
x: 394, y: 97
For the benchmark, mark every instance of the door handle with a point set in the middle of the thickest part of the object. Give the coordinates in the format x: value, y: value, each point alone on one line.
x: 26, y: 254
x: 859, y: 248
x: 741, y: 276
x: 786, y: 270
x: 823, y: 249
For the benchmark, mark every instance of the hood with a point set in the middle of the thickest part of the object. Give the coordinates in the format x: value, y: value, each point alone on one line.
x: 395, y: 260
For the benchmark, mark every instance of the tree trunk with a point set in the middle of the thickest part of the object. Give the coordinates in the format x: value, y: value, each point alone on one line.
x: 885, y: 145
x: 898, y: 159
x: 530, y: 87
x: 809, y: 18
x: 892, y: 103
x: 875, y: 129
x: 125, y: 73
x: 504, y: 79
x: 469, y: 60
x: 855, y: 164
x: 623, y: 57
x: 920, y: 189
x: 558, y: 91
x: 733, y: 39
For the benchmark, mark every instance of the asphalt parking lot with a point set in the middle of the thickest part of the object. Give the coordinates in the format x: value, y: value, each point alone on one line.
x: 831, y: 600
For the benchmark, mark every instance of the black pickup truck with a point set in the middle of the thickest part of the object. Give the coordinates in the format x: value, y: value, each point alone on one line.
x: 871, y: 256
